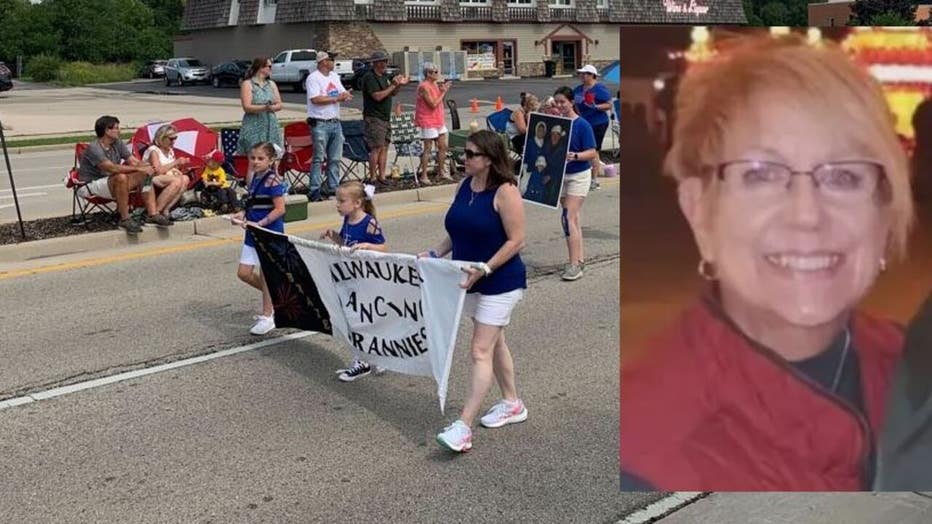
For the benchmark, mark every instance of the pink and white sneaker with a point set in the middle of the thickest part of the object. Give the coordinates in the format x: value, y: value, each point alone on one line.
x: 456, y: 437
x: 504, y: 412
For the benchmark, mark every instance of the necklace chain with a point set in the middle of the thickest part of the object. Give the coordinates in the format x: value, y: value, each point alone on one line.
x: 841, y: 361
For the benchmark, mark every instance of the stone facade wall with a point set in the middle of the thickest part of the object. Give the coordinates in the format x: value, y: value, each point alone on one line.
x: 349, y: 39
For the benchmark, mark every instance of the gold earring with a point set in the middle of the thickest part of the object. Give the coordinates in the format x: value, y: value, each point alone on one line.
x: 706, y: 270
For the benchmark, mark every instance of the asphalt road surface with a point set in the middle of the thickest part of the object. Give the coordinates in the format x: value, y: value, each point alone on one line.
x: 271, y: 435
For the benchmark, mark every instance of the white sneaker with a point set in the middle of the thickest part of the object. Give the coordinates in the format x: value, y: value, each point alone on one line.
x: 263, y: 325
x: 504, y: 413
x: 456, y: 437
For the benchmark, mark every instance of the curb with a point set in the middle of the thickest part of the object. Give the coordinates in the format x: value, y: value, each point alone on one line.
x: 89, y: 242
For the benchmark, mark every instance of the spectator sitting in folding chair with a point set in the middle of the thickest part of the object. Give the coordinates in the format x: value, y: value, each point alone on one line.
x: 377, y: 93
x: 168, y: 175
x: 112, y: 171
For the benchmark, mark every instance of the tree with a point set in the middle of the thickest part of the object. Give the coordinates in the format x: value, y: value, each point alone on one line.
x: 890, y: 19
x: 12, y: 19
x: 864, y: 11
x: 775, y: 13
x: 89, y: 30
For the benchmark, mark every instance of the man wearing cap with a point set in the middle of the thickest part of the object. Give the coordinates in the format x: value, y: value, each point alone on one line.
x: 592, y: 100
x: 377, y: 93
x: 325, y: 92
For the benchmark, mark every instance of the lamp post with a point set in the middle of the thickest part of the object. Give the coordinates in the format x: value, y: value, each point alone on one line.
x: 9, y: 171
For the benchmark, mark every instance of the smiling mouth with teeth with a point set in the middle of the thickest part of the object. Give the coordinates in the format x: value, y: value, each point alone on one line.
x: 810, y: 262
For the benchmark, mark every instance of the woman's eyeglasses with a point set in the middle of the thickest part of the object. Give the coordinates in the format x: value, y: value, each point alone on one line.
x: 172, y: 138
x: 469, y: 153
x: 847, y: 182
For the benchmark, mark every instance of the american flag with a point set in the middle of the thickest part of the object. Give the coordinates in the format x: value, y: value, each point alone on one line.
x: 228, y: 141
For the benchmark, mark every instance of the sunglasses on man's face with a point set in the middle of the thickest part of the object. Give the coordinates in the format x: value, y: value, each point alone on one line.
x: 469, y: 153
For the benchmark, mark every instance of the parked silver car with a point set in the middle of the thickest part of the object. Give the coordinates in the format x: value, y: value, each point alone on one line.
x: 186, y: 70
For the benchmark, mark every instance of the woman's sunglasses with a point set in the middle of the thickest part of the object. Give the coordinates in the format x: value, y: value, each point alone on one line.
x: 172, y: 138
x: 468, y: 153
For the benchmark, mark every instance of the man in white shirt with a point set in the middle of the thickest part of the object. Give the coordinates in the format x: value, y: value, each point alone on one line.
x: 324, y: 93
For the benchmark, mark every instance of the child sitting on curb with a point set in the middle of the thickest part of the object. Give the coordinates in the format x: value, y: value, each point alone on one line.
x: 217, y: 186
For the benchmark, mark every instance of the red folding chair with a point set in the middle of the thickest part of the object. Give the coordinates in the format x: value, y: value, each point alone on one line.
x: 83, y: 202
x: 295, y: 165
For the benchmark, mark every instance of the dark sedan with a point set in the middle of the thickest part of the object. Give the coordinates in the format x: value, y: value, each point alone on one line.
x: 229, y: 73
x: 6, y: 78
x: 361, y: 67
x: 154, y: 69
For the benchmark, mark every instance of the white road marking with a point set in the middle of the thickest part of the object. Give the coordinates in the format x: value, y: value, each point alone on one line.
x: 120, y: 377
x: 22, y: 195
x: 662, y: 507
x: 29, y: 188
x: 18, y: 171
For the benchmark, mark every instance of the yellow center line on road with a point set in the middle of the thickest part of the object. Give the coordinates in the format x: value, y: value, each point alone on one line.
x: 159, y: 251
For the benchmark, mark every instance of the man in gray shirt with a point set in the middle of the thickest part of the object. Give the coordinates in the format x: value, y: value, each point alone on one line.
x: 111, y: 171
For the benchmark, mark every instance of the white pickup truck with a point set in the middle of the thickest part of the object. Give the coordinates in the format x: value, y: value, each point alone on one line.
x: 291, y: 67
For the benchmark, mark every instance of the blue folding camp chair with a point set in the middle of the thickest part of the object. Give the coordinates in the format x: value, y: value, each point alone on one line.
x: 498, y: 120
x: 355, y: 161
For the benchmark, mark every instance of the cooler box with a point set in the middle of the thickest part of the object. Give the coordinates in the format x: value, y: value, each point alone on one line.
x: 295, y: 208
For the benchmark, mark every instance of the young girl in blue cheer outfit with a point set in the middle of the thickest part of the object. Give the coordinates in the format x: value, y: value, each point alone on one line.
x: 360, y: 230
x: 265, y: 207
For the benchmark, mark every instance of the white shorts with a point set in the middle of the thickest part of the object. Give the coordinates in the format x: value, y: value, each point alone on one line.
x: 577, y: 184
x: 492, y: 310
x: 249, y: 256
x: 430, y: 133
x: 98, y: 187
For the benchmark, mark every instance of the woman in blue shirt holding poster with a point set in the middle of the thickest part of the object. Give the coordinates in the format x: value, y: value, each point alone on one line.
x: 576, y: 180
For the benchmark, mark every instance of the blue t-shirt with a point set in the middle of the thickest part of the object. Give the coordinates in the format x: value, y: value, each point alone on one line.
x: 477, y: 233
x: 263, y: 188
x: 353, y: 234
x: 592, y: 115
x: 581, y: 139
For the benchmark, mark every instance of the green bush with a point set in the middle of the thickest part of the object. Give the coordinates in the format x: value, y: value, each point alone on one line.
x: 43, y: 68
x: 83, y: 73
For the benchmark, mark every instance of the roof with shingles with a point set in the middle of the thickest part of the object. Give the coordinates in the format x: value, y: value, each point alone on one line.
x: 205, y: 14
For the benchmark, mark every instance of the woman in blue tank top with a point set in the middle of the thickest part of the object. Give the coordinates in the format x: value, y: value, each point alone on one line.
x: 485, y: 225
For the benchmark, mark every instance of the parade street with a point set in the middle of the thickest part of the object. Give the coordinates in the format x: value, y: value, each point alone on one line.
x: 270, y: 434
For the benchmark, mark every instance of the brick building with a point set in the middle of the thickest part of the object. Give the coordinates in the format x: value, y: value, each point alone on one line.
x: 515, y: 37
x: 837, y: 13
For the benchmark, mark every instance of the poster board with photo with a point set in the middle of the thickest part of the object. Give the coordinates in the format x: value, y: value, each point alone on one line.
x: 543, y: 164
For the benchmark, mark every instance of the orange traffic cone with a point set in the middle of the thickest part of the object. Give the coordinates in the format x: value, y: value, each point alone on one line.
x: 499, y: 104
x: 474, y: 107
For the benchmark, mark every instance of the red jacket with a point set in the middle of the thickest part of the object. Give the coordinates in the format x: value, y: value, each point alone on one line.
x: 708, y: 409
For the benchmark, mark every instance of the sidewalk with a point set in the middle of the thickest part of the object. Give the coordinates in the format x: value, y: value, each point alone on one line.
x: 806, y: 508
x: 14, y: 257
